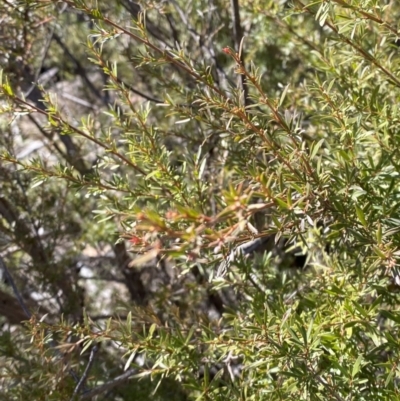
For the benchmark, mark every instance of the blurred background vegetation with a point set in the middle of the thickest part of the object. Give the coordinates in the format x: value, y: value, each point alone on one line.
x: 199, y: 200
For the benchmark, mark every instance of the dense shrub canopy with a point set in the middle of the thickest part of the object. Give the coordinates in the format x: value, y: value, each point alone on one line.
x: 200, y: 197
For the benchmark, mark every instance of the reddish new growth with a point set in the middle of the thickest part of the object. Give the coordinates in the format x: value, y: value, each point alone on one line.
x: 135, y: 240
x: 226, y: 50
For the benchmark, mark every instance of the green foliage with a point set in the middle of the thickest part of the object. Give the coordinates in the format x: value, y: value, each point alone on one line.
x: 165, y: 142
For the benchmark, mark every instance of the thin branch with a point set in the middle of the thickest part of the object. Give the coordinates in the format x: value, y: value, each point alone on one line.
x: 368, y: 15
x: 81, y: 133
x: 15, y: 289
x: 354, y: 45
x: 109, y: 385
x: 80, y: 69
x: 135, y: 9
x: 244, y: 249
x: 137, y: 92
x: 238, y: 37
x: 74, y: 180
x: 47, y: 135
x: 29, y: 315
x: 170, y: 57
x: 86, y: 372
x: 43, y: 58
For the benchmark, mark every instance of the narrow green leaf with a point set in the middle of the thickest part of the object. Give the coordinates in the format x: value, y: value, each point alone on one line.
x: 361, y: 216
x: 315, y: 148
x: 130, y: 359
x: 151, y: 330
x: 389, y: 377
x: 282, y: 98
x: 282, y: 204
x: 390, y: 315
x: 86, y: 346
x: 128, y: 323
x: 356, y: 367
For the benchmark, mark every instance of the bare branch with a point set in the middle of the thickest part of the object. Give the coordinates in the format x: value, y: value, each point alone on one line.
x: 15, y: 289
x: 109, y: 385
x: 86, y: 372
x: 238, y: 37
